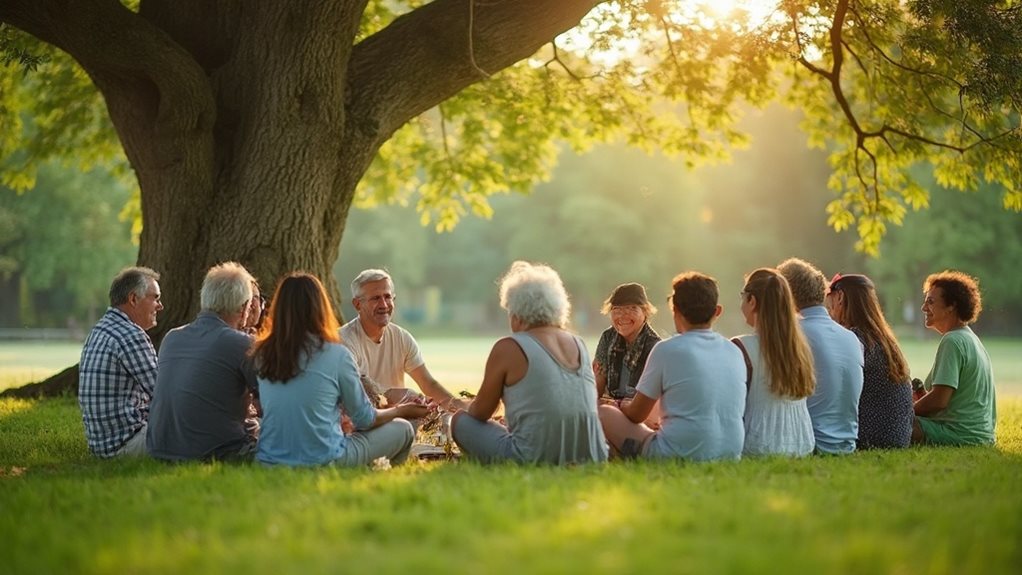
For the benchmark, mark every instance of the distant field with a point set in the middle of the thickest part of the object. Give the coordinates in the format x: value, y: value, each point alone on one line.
x: 27, y: 362
x: 458, y: 362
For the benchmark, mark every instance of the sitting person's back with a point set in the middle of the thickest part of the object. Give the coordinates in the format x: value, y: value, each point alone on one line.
x: 775, y: 424
x: 306, y: 378
x: 777, y: 420
x: 837, y: 360
x: 698, y: 379
x: 206, y: 379
x: 552, y: 410
x: 544, y: 376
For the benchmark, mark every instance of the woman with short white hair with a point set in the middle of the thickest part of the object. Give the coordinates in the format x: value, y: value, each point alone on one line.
x: 543, y: 375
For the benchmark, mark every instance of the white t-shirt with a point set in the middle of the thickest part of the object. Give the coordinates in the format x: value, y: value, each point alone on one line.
x: 386, y: 362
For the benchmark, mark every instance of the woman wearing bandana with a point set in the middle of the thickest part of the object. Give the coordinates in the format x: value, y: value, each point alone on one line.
x: 625, y: 345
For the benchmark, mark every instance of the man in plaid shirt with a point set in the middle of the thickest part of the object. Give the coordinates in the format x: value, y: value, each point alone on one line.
x: 117, y: 373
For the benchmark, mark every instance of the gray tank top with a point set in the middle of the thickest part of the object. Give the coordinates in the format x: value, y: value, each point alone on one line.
x: 551, y: 413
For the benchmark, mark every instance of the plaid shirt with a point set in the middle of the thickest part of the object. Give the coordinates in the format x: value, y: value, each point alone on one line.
x: 115, y: 382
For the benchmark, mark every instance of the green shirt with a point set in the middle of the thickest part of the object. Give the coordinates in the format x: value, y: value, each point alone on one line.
x: 963, y: 364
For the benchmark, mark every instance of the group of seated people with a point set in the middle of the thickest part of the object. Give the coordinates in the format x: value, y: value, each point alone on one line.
x: 821, y: 372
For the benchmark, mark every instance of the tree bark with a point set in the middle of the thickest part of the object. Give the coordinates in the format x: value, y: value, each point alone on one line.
x: 250, y: 127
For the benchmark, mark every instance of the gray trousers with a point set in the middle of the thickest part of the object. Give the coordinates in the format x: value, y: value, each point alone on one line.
x: 134, y: 447
x: 391, y: 440
x: 487, y: 441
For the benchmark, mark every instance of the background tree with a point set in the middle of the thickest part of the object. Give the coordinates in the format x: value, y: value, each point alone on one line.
x: 59, y: 245
x: 947, y: 236
x: 249, y: 130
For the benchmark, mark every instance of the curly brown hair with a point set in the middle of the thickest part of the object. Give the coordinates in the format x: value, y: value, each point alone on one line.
x: 960, y: 291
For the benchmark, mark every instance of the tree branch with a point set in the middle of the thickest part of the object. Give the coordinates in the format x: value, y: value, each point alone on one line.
x: 422, y: 58
x: 118, y: 47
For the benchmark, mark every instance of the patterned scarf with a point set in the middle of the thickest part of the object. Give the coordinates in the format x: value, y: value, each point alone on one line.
x: 634, y: 357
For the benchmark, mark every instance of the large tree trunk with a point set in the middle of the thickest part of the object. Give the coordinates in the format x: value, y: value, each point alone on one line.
x: 249, y: 127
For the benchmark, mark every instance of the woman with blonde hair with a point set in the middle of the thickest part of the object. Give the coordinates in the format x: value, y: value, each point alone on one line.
x: 885, y: 406
x: 776, y: 417
x: 306, y: 377
x: 543, y: 375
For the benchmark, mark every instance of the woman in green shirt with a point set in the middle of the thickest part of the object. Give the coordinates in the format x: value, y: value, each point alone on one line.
x: 956, y: 405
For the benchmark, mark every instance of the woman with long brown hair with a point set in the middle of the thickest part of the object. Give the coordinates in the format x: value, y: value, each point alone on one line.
x: 776, y: 417
x: 885, y: 406
x: 306, y: 377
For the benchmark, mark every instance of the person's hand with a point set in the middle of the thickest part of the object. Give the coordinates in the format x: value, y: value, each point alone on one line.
x: 412, y: 409
x: 347, y: 427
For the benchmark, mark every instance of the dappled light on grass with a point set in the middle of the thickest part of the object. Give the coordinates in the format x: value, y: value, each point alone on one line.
x: 9, y: 407
x: 785, y: 504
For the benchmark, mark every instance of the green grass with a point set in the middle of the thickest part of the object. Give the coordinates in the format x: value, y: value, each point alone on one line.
x: 927, y: 510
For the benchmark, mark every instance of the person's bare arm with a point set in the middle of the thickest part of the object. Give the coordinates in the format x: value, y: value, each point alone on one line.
x: 410, y: 410
x: 494, y: 377
x: 432, y: 389
x: 935, y: 401
x: 638, y: 408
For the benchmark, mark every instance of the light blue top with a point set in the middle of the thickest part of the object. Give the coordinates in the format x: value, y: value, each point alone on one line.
x: 551, y: 412
x: 838, y: 359
x: 774, y: 425
x: 302, y: 418
x: 699, y: 378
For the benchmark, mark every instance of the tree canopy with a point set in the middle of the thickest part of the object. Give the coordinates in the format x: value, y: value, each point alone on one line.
x: 251, y: 130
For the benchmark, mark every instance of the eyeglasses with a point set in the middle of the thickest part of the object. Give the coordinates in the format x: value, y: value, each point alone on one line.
x: 625, y: 310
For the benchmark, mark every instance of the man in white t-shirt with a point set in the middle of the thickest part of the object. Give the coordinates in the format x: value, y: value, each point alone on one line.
x: 384, y: 351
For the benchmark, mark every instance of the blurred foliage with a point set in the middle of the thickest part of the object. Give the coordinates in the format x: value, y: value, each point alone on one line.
x: 966, y: 232
x: 615, y: 215
x: 895, y: 86
x: 60, y: 243
x: 930, y: 82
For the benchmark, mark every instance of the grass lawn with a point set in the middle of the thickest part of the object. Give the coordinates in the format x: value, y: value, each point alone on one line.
x: 928, y: 510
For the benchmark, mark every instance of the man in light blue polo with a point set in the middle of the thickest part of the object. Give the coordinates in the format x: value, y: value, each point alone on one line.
x: 838, y: 360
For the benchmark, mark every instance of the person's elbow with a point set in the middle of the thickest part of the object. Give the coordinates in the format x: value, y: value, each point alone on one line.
x: 365, y: 419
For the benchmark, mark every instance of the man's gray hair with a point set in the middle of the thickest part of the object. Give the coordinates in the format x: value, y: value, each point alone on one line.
x: 226, y: 289
x: 369, y: 276
x: 808, y: 284
x: 535, y: 294
x: 131, y: 280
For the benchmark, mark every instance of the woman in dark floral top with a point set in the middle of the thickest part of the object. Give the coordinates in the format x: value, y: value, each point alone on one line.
x: 885, y: 406
x: 625, y: 345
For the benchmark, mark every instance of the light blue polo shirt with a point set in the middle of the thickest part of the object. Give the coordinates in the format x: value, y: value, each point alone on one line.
x: 838, y: 361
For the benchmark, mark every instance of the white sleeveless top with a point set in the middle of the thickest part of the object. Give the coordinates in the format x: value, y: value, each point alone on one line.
x: 774, y: 425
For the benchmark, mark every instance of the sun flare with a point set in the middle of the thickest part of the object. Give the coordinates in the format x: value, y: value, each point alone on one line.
x: 717, y: 13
